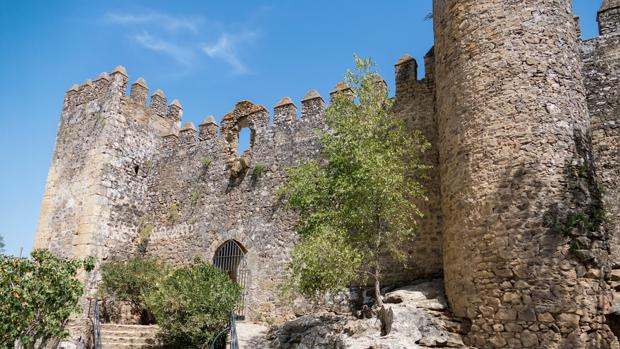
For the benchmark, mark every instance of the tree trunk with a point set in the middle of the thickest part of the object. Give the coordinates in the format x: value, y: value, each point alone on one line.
x: 378, y: 299
x: 385, y: 315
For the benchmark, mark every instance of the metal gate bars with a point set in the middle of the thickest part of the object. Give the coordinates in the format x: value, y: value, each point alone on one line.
x: 230, y: 258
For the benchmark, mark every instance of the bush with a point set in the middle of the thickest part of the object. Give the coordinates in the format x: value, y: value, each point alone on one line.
x: 144, y: 236
x: 193, y: 304
x: 206, y: 163
x: 259, y: 170
x: 37, y: 297
x: 131, y: 281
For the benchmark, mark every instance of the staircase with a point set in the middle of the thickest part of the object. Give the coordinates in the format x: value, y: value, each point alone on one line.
x: 115, y: 336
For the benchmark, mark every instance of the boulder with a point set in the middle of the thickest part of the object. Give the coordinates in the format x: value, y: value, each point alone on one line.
x: 310, y: 332
x: 418, y: 322
x: 427, y: 295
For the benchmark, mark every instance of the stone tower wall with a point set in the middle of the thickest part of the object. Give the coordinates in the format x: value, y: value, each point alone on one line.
x: 601, y: 61
x: 609, y: 17
x: 73, y: 207
x: 415, y: 102
x: 524, y: 258
x: 95, y: 192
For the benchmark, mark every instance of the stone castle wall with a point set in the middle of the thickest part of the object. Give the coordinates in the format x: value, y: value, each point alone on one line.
x: 601, y: 67
x: 201, y: 193
x: 523, y: 206
x: 522, y: 258
x: 415, y: 102
x: 150, y: 187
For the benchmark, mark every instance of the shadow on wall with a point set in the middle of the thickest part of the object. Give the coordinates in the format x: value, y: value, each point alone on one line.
x: 551, y: 257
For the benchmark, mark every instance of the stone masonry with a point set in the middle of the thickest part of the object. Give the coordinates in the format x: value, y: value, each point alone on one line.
x: 126, y: 178
x: 601, y: 69
x: 526, y: 258
x: 523, y: 210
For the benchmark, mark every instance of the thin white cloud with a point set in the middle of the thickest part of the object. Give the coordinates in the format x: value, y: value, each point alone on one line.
x: 170, y: 23
x: 179, y: 54
x: 226, y: 49
x: 168, y: 35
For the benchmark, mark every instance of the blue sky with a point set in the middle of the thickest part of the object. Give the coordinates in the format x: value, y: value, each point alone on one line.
x: 207, y: 54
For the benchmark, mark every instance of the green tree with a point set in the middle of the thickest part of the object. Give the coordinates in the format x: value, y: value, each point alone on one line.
x: 131, y: 281
x: 2, y: 245
x: 322, y: 262
x: 361, y: 197
x: 193, y: 303
x: 38, y: 295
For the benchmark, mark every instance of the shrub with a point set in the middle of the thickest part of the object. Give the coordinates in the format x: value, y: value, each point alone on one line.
x: 195, y: 196
x: 131, y: 281
x: 173, y: 212
x: 144, y: 236
x: 258, y: 171
x: 193, y: 304
x: 37, y: 297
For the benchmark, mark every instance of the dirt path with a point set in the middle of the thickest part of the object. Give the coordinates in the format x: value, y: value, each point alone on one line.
x: 251, y: 336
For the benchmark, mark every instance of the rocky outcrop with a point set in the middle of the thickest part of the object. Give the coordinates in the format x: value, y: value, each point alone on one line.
x: 421, y: 320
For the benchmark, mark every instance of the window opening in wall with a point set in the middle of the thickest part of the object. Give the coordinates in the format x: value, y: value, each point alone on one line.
x: 244, y: 140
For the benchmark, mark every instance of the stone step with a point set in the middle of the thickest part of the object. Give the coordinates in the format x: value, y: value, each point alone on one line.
x: 116, y: 336
x: 125, y: 333
x: 105, y: 345
x: 113, y: 327
x: 128, y: 340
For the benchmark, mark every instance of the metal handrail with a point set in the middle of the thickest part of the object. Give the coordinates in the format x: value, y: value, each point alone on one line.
x: 96, y: 325
x: 234, y: 341
x: 232, y: 329
x: 214, y: 342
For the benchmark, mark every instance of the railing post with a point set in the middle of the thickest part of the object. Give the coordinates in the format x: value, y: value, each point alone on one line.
x: 234, y: 341
x: 96, y: 325
x: 231, y: 341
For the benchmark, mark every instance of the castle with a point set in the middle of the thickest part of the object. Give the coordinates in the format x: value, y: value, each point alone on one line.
x: 524, y: 205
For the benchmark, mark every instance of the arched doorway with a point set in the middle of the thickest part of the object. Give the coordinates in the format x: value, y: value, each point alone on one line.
x: 230, y: 258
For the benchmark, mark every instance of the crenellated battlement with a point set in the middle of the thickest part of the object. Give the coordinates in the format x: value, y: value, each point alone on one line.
x: 165, y: 119
x: 106, y: 88
x: 608, y: 17
x: 102, y: 87
x: 255, y: 117
x: 207, y: 128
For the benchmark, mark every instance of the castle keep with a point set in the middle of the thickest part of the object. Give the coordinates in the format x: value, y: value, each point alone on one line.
x: 523, y: 216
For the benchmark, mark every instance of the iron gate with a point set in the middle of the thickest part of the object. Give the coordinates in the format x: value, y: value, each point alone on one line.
x: 230, y: 258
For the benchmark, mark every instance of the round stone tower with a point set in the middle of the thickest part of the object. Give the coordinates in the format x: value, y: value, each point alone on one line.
x: 525, y: 259
x: 608, y: 17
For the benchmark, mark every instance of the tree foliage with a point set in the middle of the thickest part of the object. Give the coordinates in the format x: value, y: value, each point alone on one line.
x: 322, y: 262
x: 2, y: 245
x: 38, y: 295
x: 131, y: 281
x: 362, y: 196
x: 193, y: 303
